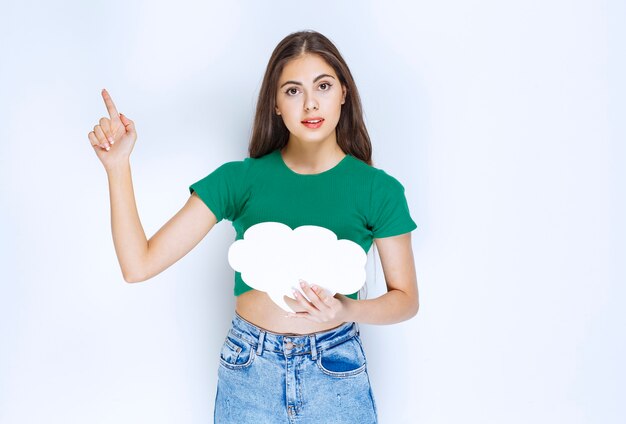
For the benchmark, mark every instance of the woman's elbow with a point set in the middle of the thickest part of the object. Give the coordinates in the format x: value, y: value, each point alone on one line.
x: 134, y: 276
x: 414, y: 304
x: 416, y: 309
x: 130, y: 278
x: 413, y: 309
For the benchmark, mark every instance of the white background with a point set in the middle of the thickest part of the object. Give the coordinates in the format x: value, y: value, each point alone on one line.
x: 503, y: 120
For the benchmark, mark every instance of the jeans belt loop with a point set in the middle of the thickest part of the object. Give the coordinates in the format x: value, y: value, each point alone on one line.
x: 259, y: 347
x: 313, y: 347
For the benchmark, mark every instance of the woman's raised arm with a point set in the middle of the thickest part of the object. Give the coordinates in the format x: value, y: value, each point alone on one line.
x: 140, y: 259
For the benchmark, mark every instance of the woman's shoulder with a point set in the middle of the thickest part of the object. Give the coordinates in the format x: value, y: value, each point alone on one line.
x: 246, y: 163
x: 255, y: 165
x: 247, y: 169
x: 376, y: 174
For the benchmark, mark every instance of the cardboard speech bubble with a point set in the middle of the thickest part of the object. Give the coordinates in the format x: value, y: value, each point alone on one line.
x: 272, y: 258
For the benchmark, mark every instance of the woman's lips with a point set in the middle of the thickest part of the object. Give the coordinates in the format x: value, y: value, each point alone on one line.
x: 313, y: 122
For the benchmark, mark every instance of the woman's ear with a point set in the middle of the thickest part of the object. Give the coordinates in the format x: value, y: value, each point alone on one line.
x: 277, y: 111
x: 345, y: 92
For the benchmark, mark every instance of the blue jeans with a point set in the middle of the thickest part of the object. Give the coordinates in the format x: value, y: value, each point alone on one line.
x: 272, y: 378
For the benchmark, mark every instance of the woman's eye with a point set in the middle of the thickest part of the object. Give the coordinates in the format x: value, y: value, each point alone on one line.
x: 292, y: 91
x: 325, y: 86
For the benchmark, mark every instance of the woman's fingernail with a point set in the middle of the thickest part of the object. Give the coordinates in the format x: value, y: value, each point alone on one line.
x: 111, y: 140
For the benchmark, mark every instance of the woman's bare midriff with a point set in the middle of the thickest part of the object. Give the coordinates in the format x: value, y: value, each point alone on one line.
x: 256, y: 307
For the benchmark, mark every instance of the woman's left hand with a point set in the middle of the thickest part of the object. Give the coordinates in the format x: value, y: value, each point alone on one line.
x: 321, y: 306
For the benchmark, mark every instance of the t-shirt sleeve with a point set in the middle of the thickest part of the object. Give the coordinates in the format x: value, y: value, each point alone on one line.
x: 389, y: 210
x: 222, y: 190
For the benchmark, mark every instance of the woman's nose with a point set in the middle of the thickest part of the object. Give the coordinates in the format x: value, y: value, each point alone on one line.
x: 310, y: 104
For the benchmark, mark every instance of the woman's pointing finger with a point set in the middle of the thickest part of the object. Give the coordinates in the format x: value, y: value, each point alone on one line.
x: 108, y: 101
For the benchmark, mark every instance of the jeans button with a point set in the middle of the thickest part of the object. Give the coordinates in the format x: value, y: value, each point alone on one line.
x: 289, y: 345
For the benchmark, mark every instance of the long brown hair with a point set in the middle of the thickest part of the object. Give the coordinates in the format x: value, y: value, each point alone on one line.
x: 269, y: 131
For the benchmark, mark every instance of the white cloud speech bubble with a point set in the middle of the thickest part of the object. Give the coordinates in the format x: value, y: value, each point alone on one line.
x: 272, y: 258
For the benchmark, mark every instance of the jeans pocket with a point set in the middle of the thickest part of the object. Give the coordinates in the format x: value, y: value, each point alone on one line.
x: 236, y: 353
x: 343, y: 360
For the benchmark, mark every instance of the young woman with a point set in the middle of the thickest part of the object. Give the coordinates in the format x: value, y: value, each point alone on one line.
x: 310, y: 164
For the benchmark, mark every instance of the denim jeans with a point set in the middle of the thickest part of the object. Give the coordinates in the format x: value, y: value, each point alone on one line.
x: 272, y: 378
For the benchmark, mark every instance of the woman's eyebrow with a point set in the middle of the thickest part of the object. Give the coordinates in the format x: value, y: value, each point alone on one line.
x: 317, y: 78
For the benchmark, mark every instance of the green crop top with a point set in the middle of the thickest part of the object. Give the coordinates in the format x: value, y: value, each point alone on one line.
x: 353, y: 199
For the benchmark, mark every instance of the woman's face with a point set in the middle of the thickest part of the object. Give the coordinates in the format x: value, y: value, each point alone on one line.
x: 309, y: 99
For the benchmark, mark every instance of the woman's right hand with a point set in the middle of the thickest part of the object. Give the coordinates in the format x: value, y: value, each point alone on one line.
x: 113, y: 138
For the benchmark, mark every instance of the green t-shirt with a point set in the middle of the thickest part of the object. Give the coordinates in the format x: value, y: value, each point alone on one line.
x: 353, y: 199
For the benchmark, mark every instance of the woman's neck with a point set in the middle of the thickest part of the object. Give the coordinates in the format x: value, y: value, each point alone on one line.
x: 311, y: 158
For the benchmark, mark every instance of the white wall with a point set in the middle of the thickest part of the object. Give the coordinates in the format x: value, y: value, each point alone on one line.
x: 504, y: 121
